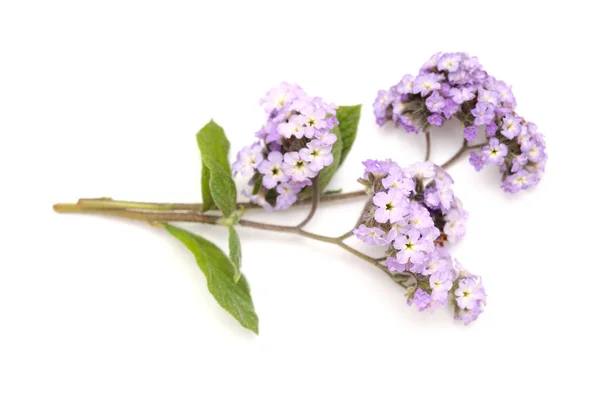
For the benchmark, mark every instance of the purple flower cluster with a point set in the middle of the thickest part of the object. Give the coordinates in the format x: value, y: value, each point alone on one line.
x: 443, y: 281
x: 455, y: 85
x: 411, y: 209
x: 412, y: 212
x: 293, y: 146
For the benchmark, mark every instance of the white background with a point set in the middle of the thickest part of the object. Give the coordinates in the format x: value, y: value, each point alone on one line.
x: 105, y: 98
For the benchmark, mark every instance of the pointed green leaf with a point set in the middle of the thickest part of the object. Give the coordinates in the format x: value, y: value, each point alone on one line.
x: 207, y: 201
x: 219, y: 272
x: 235, y: 253
x: 222, y: 187
x: 213, y: 144
x: 348, y: 117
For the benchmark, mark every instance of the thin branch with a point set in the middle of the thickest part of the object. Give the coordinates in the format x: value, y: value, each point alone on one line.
x: 316, y: 194
x: 427, y: 144
x: 110, y: 204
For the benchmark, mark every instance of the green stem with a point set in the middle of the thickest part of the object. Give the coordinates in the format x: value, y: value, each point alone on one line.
x: 190, y: 216
x: 108, y: 203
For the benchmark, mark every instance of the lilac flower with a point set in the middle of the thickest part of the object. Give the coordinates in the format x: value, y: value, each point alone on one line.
x: 394, y: 265
x: 287, y: 195
x: 272, y: 170
x: 392, y: 206
x: 518, y: 162
x: 423, y: 169
x: 405, y: 86
x: 491, y: 128
x: 470, y: 133
x: 435, y: 102
x: 421, y: 299
x: 381, y: 106
x: 410, y: 247
x: 397, y: 179
x: 435, y: 119
x: 317, y: 154
x: 510, y: 127
x: 519, y: 181
x: 440, y: 283
x: 449, y: 62
x: 487, y: 96
x: 476, y: 160
x: 450, y: 108
x: 469, y: 293
x: 494, y: 152
x: 298, y: 169
x: 461, y: 95
x: 248, y: 159
x: 425, y: 83
x: 371, y: 236
x: 483, y: 113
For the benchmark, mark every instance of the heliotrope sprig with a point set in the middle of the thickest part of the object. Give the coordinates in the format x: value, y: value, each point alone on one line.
x: 411, y: 214
x: 456, y: 85
x: 293, y: 146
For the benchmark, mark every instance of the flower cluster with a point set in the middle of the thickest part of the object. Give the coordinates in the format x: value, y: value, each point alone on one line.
x: 455, y: 85
x: 443, y: 281
x: 413, y: 211
x: 293, y: 146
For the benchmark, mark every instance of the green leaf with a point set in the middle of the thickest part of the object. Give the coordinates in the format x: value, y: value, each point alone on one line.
x: 222, y: 187
x: 348, y: 117
x: 235, y: 253
x: 213, y: 144
x: 207, y: 201
x: 219, y: 272
x: 327, y: 173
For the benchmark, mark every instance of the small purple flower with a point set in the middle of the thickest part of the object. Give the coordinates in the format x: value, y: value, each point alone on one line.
x: 396, y: 179
x: 518, y: 162
x: 450, y: 108
x: 296, y: 168
x: 370, y: 236
x: 487, y: 96
x: 426, y: 83
x: 317, y: 154
x: 440, y: 283
x: 461, y: 95
x: 435, y: 119
x: 476, y: 160
x: 449, y: 62
x: 435, y: 102
x: 468, y: 293
x: 272, y: 170
x: 411, y: 247
x: 519, y: 181
x: 470, y: 133
x: 287, y: 195
x: 248, y: 159
x: 394, y: 265
x: 406, y: 85
x: 483, y: 113
x: 494, y: 152
x: 491, y: 128
x: 510, y: 127
x: 392, y: 206
x: 421, y: 299
x: 381, y: 106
